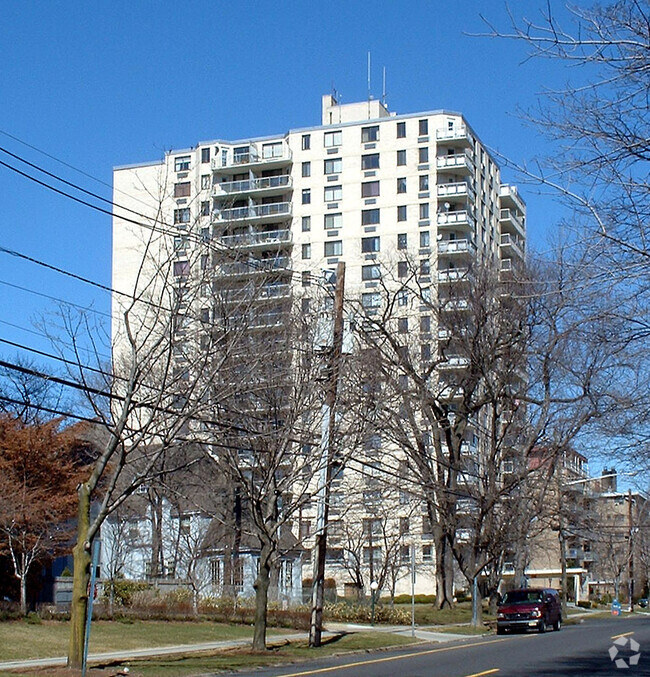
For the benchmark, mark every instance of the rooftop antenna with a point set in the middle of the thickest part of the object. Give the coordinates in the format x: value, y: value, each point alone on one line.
x: 368, y: 85
x: 383, y: 90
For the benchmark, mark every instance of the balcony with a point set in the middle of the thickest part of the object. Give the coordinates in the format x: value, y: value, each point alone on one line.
x: 454, y: 190
x: 253, y: 212
x: 454, y: 362
x: 457, y: 134
x: 257, y: 239
x: 457, y: 162
x: 460, y: 219
x: 509, y: 219
x: 278, y: 263
x: 454, y: 305
x: 452, y: 275
x: 264, y: 184
x: 510, y: 198
x: 456, y: 247
x: 511, y: 246
x: 235, y: 159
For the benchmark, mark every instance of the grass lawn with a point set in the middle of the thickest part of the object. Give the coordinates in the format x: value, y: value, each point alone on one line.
x: 21, y: 640
x: 233, y: 659
x: 428, y: 614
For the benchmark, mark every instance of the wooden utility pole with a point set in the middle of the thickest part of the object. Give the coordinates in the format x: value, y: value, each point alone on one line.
x: 327, y: 438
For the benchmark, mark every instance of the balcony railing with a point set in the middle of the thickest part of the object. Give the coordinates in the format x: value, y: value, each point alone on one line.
x: 459, y: 188
x: 251, y: 155
x: 255, y: 266
x: 456, y: 161
x: 252, y: 211
x: 456, y: 133
x: 509, y: 194
x: 454, y: 218
x: 257, y: 238
x: 454, y: 362
x: 261, y: 183
x: 452, y: 275
x: 510, y: 215
x: 456, y: 247
x: 508, y: 241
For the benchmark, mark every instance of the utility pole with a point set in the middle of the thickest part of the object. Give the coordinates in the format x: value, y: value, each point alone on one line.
x: 327, y: 438
x: 630, y: 551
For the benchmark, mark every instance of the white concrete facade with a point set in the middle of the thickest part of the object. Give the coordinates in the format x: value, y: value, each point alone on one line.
x: 367, y: 187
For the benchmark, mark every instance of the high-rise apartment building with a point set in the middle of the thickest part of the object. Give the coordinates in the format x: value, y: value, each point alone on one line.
x: 382, y: 192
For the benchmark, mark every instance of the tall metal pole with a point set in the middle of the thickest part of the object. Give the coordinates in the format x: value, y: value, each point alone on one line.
x: 327, y: 437
x: 630, y: 551
x: 412, y: 589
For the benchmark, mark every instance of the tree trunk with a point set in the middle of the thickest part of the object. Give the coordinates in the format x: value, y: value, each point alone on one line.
x: 80, y: 581
x: 23, y: 590
x: 261, y: 586
x: 444, y: 574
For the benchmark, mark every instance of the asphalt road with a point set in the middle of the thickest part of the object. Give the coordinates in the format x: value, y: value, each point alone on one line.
x: 581, y: 650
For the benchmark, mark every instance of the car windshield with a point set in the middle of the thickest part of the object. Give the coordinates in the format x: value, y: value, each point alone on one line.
x: 522, y: 597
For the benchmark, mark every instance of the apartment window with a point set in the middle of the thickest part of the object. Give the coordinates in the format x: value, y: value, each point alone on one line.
x: 402, y: 240
x: 333, y: 193
x: 181, y: 268
x: 402, y: 297
x: 427, y: 553
x: 306, y: 251
x: 423, y: 154
x: 205, y: 155
x: 401, y: 130
x: 425, y: 352
x: 333, y: 139
x: 205, y: 261
x: 306, y: 168
x: 306, y: 224
x: 205, y: 182
x: 306, y: 141
x: 306, y: 278
x: 401, y: 158
x: 403, y: 325
x: 205, y: 235
x: 369, y: 217
x: 425, y: 324
x: 370, y: 189
x: 306, y: 196
x: 401, y: 213
x: 334, y: 248
x: 370, y: 244
x: 333, y: 166
x: 181, y: 243
x: 304, y: 529
x: 182, y: 163
x: 205, y: 208
x: 271, y: 150
x: 424, y: 182
x: 369, y: 134
x: 370, y: 161
x: 182, y: 215
x: 424, y: 210
x: 402, y: 269
x: 425, y: 239
x: 182, y: 189
x: 371, y: 300
x: 425, y: 267
x: 370, y: 272
x: 333, y: 220
x: 401, y: 184
x: 423, y: 127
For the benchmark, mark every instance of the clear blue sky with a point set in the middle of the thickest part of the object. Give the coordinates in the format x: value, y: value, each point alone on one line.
x: 100, y: 84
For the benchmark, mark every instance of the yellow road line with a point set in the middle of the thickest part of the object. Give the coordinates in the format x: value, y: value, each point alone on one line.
x: 623, y: 634
x: 372, y: 661
x: 485, y: 672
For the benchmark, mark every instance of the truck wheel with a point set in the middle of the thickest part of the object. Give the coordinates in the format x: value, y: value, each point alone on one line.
x: 542, y: 626
x: 558, y: 624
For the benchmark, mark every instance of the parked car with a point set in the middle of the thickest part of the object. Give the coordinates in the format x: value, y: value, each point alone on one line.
x: 529, y: 609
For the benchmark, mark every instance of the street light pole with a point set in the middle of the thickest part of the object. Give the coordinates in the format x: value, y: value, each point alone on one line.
x: 373, y: 591
x: 630, y: 551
